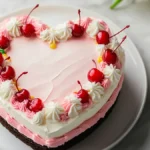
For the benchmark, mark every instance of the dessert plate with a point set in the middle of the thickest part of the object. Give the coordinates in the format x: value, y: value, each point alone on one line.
x: 131, y: 99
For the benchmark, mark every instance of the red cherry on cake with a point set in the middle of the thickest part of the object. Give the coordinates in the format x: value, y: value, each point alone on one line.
x: 78, y: 30
x: 22, y: 94
x: 7, y: 73
x: 35, y: 105
x: 1, y: 59
x: 109, y: 56
x: 103, y: 37
x: 95, y: 75
x: 28, y: 30
x: 4, y: 42
x: 83, y: 94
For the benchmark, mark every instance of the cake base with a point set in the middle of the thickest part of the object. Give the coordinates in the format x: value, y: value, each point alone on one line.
x: 67, y: 145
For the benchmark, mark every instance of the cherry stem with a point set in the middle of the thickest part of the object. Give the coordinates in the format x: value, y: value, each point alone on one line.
x: 80, y: 84
x: 31, y: 12
x: 79, y: 13
x: 120, y: 31
x: 123, y: 39
x: 19, y: 78
x: 94, y: 63
x: 7, y: 58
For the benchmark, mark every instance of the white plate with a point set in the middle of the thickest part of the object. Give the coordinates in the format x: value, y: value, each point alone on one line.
x: 131, y: 99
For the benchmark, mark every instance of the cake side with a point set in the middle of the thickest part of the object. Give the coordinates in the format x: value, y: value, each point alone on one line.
x: 55, y: 142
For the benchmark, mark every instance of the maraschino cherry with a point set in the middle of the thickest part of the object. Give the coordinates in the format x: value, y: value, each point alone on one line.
x: 7, y: 73
x: 28, y: 29
x: 35, y: 105
x: 109, y: 56
x: 103, y: 36
x: 4, y: 42
x: 22, y: 94
x: 78, y: 30
x: 1, y: 59
x: 83, y: 94
x: 95, y: 75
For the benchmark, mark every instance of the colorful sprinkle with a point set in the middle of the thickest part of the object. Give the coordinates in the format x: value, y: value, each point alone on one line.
x: 53, y: 45
x: 2, y: 51
x: 32, y: 97
x: 99, y: 59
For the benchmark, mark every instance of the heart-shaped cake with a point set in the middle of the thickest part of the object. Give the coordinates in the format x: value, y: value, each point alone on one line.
x: 56, y: 83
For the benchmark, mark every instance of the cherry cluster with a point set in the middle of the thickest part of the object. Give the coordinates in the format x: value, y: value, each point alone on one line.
x: 7, y: 72
x: 94, y: 75
x: 34, y: 105
x: 27, y: 29
x: 109, y: 56
x: 102, y: 37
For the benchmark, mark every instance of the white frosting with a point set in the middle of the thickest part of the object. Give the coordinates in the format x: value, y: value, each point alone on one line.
x: 96, y: 91
x: 75, y: 105
x: 120, y: 52
x: 38, y: 118
x: 57, y: 129
x: 45, y: 35
x: 49, y: 35
x: 100, y: 48
x: 64, y: 32
x: 13, y: 27
x: 112, y: 73
x: 7, y: 90
x: 94, y: 27
x: 53, y: 111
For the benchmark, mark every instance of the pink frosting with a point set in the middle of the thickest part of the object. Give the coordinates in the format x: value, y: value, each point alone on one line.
x: 22, y: 106
x: 85, y: 22
x: 102, y: 65
x: 66, y: 105
x: 5, y: 33
x: 39, y: 26
x: 55, y: 142
x: 106, y: 84
x: 118, y: 65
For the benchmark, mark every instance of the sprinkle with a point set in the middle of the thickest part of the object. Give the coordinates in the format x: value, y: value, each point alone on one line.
x: 19, y: 88
x: 2, y: 51
x: 99, y: 59
x: 32, y: 97
x: 5, y: 55
x: 53, y: 45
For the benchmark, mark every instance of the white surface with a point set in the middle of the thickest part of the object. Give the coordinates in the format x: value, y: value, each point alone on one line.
x: 139, y: 138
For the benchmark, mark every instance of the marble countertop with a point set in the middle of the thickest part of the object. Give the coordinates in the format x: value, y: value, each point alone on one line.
x: 138, y: 16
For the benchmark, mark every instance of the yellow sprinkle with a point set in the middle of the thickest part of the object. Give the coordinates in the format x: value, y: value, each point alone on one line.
x: 32, y: 97
x: 5, y: 56
x: 99, y: 59
x: 19, y: 88
x: 53, y: 45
